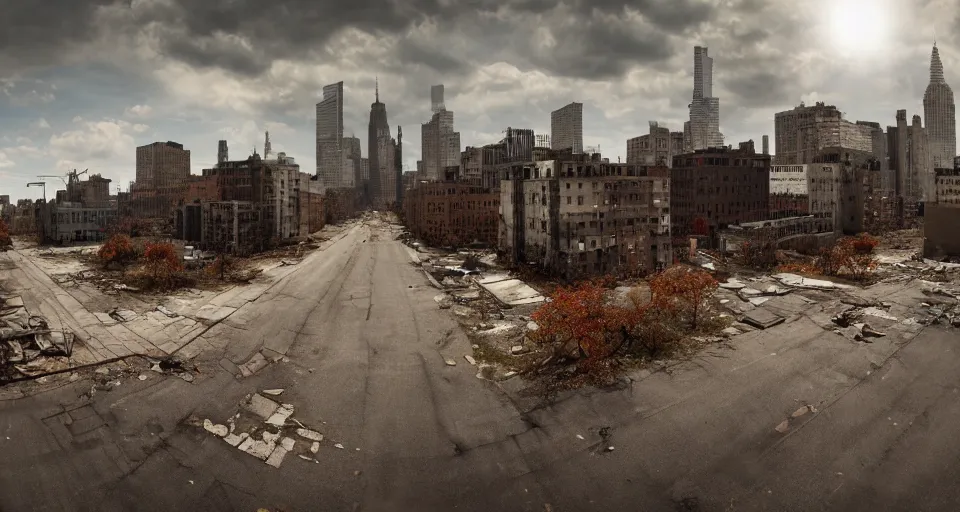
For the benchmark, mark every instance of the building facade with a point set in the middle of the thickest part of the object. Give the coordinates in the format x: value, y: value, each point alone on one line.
x: 329, y: 139
x: 452, y: 214
x: 714, y: 188
x: 909, y: 159
x: 579, y: 216
x: 566, y: 128
x: 656, y: 148
x: 440, y: 145
x: 808, y: 189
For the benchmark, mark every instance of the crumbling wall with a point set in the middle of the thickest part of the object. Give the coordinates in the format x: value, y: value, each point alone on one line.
x: 940, y: 231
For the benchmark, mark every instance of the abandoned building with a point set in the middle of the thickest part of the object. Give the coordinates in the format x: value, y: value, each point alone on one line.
x: 453, y: 214
x: 311, y: 204
x: 656, y: 148
x: 713, y: 188
x: 238, y: 227
x: 941, y: 217
x: 163, y: 170
x: 807, y: 189
x: 580, y: 216
x: 272, y: 185
x: 802, y: 133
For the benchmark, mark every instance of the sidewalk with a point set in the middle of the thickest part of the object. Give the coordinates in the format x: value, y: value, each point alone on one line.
x: 101, y: 337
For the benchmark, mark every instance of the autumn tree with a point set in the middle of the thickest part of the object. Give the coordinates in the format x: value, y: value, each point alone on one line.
x: 162, y: 262
x: 117, y: 249
x: 761, y: 254
x: 682, y: 292
x: 582, y: 316
x: 5, y: 240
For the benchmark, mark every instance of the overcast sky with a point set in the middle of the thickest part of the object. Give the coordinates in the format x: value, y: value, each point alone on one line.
x: 83, y: 82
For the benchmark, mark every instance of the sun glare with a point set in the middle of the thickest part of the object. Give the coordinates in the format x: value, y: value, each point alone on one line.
x: 858, y: 25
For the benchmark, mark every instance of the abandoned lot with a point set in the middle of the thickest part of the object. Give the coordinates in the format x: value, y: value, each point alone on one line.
x: 845, y: 398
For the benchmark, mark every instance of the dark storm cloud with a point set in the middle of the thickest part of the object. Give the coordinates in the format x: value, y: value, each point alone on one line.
x: 36, y: 32
x: 757, y: 88
x: 603, y: 50
x: 410, y: 51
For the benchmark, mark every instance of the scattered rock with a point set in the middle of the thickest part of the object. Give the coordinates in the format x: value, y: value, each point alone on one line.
x: 276, y: 458
x: 234, y: 440
x: 272, y: 392
x: 470, y: 359
x: 315, y: 447
x: 309, y: 434
x: 279, y: 418
x: 450, y: 362
x: 517, y: 349
x: 532, y: 326
x: 338, y: 446
x: 217, y: 430
x: 783, y: 427
x: 142, y: 377
x: 732, y: 331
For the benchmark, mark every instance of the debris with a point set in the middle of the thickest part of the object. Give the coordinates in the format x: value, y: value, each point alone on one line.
x: 870, y: 332
x: 731, y: 331
x: 261, y: 406
x: 262, y: 448
x: 103, y: 370
x: 279, y: 418
x: 338, y: 446
x: 234, y: 440
x: 314, y: 447
x: 217, y: 430
x: 450, y: 362
x: 308, y: 459
x: 276, y: 458
x: 167, y: 312
x: 123, y: 315
x: 187, y: 376
x: 762, y: 318
x: 532, y: 326
x: 783, y: 427
x: 579, y: 437
x: 609, y: 448
x: 309, y: 434
x: 470, y: 359
x: 517, y: 350
x: 142, y: 377
x: 272, y: 392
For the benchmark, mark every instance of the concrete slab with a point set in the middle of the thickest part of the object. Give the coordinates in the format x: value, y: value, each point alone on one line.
x: 513, y: 292
x: 762, y: 318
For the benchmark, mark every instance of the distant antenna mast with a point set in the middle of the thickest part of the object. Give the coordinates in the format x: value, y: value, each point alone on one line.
x: 266, y: 146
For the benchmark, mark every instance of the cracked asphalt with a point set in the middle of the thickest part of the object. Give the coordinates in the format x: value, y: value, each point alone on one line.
x: 793, y: 418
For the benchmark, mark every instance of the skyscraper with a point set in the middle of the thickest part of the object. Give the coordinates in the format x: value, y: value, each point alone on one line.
x: 566, y: 128
x: 704, y: 129
x: 379, y: 151
x: 440, y: 145
x: 940, y: 114
x: 330, y: 136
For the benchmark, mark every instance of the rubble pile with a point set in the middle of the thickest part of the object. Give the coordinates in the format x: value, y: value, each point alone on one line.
x: 267, y: 430
x: 28, y: 347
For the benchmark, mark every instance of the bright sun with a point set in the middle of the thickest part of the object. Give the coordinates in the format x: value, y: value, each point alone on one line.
x: 857, y: 25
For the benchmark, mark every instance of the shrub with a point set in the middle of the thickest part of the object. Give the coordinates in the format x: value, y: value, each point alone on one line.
x: 162, y: 263
x: 761, y: 255
x: 682, y: 292
x: 5, y: 240
x: 117, y: 249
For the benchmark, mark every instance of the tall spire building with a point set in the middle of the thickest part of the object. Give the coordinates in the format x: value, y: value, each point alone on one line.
x: 939, y: 112
x: 381, y: 154
x: 703, y: 129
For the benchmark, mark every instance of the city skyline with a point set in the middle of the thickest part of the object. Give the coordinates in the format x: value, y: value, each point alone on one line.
x: 85, y: 101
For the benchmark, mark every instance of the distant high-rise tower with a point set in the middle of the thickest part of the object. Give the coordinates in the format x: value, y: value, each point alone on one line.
x: 381, y: 153
x: 267, y: 148
x: 766, y: 144
x: 330, y: 136
x: 223, y: 154
x: 940, y: 114
x: 440, y: 145
x: 704, y: 129
x: 566, y: 128
x: 436, y: 99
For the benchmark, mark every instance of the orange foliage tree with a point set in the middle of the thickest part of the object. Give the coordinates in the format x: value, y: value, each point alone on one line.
x: 850, y: 255
x: 162, y: 262
x: 5, y: 240
x: 682, y: 292
x: 583, y: 315
x: 118, y: 248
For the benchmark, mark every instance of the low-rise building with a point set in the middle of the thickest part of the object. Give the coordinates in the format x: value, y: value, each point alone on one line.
x: 656, y: 148
x: 452, y: 214
x: 942, y: 216
x: 579, y: 216
x: 713, y: 188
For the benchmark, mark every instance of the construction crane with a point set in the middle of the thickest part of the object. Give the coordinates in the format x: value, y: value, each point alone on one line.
x: 72, y: 176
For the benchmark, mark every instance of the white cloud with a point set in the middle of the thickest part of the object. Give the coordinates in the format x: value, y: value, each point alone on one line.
x: 5, y: 161
x: 141, y: 111
x: 93, y: 142
x: 27, y: 93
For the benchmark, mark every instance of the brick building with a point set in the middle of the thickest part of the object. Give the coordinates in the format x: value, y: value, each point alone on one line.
x: 942, y: 216
x: 656, y: 148
x: 452, y: 214
x: 713, y: 188
x: 579, y: 216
